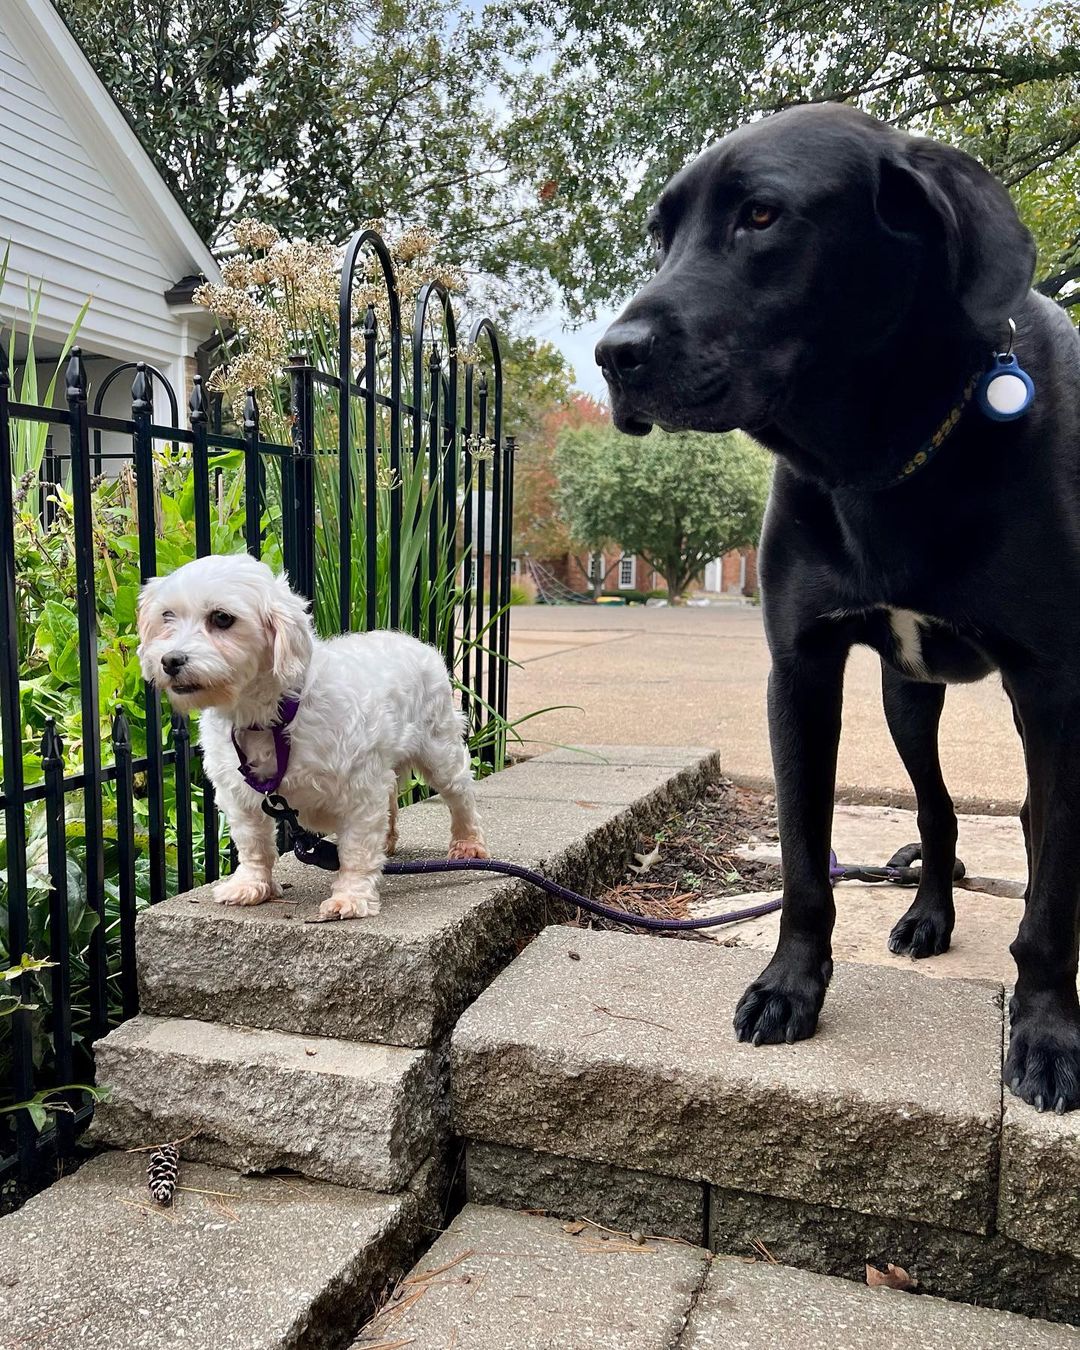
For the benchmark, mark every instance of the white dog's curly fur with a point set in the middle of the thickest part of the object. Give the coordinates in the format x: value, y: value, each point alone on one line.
x: 224, y: 635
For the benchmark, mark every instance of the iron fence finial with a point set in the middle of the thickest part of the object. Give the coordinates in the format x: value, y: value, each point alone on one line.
x: 75, y: 375
x: 141, y: 400
x: 197, y: 401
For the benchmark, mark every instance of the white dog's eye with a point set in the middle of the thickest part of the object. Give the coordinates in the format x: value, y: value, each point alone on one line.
x: 168, y: 615
x: 219, y: 619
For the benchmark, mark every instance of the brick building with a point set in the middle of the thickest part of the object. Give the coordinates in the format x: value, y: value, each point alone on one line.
x: 733, y: 574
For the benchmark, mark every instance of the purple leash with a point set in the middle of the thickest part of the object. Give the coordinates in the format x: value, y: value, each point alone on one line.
x: 310, y: 848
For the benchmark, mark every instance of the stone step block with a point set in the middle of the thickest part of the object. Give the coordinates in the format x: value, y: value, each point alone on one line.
x: 342, y: 1111
x: 757, y: 1306
x: 513, y: 1178
x: 403, y: 976
x: 499, y: 1280
x: 236, y: 1263
x: 1040, y: 1177
x: 619, y: 1049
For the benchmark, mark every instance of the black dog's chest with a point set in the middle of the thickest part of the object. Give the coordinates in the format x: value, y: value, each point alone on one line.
x: 922, y: 647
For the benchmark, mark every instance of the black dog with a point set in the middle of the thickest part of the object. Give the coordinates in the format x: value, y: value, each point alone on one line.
x: 835, y: 287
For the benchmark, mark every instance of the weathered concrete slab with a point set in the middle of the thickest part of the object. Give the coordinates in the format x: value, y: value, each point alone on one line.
x: 668, y: 756
x: 537, y: 780
x: 572, y: 1188
x: 237, y: 1263
x: 342, y: 1111
x: 1040, y: 1177
x: 403, y: 976
x: 619, y: 1049
x: 865, y: 914
x: 991, y: 846
x: 498, y: 1280
x: 992, y: 1271
x: 756, y: 1306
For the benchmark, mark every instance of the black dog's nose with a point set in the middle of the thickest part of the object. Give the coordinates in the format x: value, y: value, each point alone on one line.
x: 173, y: 662
x: 624, y: 350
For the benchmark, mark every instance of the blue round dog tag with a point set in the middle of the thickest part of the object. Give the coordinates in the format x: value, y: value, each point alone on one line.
x: 1006, y: 390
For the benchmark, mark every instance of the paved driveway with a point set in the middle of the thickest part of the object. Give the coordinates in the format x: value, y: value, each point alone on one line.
x: 697, y: 676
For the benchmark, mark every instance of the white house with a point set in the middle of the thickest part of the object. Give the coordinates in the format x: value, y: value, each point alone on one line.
x: 88, y: 214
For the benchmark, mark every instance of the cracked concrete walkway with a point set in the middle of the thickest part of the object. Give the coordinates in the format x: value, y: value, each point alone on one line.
x: 697, y: 676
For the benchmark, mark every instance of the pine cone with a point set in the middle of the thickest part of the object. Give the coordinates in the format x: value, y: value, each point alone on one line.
x: 161, y: 1173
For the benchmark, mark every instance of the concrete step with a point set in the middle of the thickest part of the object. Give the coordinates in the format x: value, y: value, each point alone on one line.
x: 757, y: 1306
x: 237, y: 1263
x: 599, y: 1077
x: 403, y: 976
x: 343, y: 1111
x: 618, y: 1049
x: 500, y: 1280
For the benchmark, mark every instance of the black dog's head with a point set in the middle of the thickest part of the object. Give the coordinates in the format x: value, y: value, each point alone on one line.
x: 803, y: 248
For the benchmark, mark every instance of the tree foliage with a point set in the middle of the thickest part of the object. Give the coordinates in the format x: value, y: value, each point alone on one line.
x: 318, y: 115
x: 644, y: 85
x: 540, y: 528
x: 679, y: 500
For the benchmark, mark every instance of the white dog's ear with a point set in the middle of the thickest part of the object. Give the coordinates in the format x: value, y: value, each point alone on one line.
x: 290, y: 631
x: 143, y: 608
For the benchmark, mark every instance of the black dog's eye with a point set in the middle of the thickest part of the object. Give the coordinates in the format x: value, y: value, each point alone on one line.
x: 656, y: 239
x: 219, y: 619
x: 759, y: 216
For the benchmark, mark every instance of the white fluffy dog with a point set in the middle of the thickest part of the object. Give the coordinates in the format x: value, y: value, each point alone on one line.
x: 228, y: 637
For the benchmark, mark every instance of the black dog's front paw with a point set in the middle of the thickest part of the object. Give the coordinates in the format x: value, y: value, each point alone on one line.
x: 925, y: 930
x: 1043, y: 1063
x: 783, y: 1003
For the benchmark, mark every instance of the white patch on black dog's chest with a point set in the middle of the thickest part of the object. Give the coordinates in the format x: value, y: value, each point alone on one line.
x: 921, y: 646
x: 907, y: 630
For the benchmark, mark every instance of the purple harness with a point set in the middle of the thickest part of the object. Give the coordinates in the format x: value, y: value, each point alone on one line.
x: 286, y: 711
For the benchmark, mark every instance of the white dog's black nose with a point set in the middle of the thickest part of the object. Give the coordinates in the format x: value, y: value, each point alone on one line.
x: 173, y: 662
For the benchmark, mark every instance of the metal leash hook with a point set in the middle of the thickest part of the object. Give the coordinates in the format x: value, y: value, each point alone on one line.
x: 898, y: 871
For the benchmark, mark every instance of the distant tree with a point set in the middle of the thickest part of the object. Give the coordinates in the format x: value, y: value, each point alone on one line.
x: 676, y: 500
x: 540, y: 529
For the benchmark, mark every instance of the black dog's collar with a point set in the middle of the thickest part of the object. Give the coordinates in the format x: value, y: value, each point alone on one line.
x: 937, y: 437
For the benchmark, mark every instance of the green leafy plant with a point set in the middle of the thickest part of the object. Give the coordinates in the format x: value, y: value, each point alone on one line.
x: 43, y: 1104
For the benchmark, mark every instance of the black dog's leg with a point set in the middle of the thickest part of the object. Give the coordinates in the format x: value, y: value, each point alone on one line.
x: 1043, y: 1063
x: 805, y: 695
x: 913, y: 711
x: 1025, y: 813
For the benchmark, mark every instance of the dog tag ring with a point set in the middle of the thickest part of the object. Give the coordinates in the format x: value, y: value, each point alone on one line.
x: 1006, y: 390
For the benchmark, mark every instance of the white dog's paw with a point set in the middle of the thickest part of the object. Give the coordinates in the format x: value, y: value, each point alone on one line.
x: 246, y: 890
x: 359, y: 904
x: 391, y: 844
x: 467, y: 848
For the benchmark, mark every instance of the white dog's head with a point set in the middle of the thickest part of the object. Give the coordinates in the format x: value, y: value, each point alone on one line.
x: 218, y: 629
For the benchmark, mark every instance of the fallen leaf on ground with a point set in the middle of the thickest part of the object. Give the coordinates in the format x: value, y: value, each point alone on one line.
x: 573, y: 1228
x: 892, y: 1277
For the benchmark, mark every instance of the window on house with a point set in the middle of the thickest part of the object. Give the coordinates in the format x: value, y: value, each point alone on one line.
x: 627, y: 568
x: 596, y: 567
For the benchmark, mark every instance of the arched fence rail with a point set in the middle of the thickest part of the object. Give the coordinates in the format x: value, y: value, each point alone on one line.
x: 384, y: 487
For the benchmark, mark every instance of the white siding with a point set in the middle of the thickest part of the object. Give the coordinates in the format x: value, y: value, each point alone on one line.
x: 69, y: 225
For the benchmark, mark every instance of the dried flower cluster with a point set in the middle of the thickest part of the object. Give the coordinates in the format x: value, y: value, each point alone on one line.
x: 279, y: 295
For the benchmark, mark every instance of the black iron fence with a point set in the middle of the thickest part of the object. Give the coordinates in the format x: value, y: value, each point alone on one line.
x: 388, y: 499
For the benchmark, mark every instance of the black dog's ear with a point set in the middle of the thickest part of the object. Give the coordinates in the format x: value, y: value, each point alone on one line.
x: 929, y: 188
